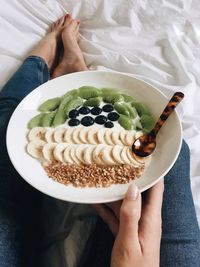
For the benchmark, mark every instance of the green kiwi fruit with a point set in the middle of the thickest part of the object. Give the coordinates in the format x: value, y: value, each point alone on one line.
x: 87, y: 92
x: 132, y: 111
x: 141, y: 108
x: 61, y: 115
x: 47, y: 119
x: 126, y: 122
x: 128, y: 98
x: 73, y: 92
x: 105, y: 90
x: 50, y: 104
x: 93, y: 102
x: 112, y: 97
x: 36, y: 121
x: 121, y: 108
x: 147, y: 122
x: 73, y: 103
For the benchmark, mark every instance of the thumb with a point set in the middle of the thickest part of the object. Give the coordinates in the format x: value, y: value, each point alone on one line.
x: 130, y: 214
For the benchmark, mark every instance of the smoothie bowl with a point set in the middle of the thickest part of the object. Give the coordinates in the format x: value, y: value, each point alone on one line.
x: 73, y: 136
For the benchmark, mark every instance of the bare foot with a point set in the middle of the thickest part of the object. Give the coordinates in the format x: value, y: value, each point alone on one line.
x: 72, y: 59
x: 47, y: 47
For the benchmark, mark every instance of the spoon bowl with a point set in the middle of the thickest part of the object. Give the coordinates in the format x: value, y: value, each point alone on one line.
x: 146, y: 144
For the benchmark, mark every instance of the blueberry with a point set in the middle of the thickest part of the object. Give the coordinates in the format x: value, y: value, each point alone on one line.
x: 109, y: 124
x: 101, y: 119
x: 96, y: 111
x: 108, y: 108
x: 84, y: 110
x: 73, y: 122
x: 73, y: 113
x: 113, y: 116
x: 87, y: 121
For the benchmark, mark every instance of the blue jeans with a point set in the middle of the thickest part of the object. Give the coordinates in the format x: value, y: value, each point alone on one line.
x: 19, y: 202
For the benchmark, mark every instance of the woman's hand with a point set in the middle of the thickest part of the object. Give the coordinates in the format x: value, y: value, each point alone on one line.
x: 137, y: 227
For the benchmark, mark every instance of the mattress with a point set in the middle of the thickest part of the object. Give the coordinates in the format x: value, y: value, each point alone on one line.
x: 157, y: 41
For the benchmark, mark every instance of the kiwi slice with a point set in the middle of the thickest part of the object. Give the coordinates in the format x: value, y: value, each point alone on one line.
x: 141, y: 108
x: 105, y: 90
x: 73, y: 103
x: 132, y: 111
x: 87, y: 92
x: 73, y: 92
x: 93, y: 102
x: 50, y: 104
x: 61, y: 115
x: 36, y: 121
x: 47, y: 119
x: 127, y: 98
x: 147, y: 122
x: 126, y: 122
x: 112, y: 97
x: 121, y: 108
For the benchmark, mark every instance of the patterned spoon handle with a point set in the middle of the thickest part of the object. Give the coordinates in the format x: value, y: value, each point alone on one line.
x: 174, y: 101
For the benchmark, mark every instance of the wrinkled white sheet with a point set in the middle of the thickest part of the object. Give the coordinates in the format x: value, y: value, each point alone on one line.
x: 157, y: 41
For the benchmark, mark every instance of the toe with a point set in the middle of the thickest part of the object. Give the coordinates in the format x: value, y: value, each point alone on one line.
x: 61, y: 21
x: 74, y: 25
x: 68, y: 19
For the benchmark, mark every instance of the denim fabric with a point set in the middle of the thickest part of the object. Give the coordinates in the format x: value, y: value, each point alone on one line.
x: 19, y: 202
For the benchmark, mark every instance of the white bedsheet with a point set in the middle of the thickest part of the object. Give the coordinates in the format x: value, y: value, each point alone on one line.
x: 157, y: 41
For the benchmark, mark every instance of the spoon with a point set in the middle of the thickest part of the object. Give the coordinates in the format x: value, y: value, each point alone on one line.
x: 145, y: 144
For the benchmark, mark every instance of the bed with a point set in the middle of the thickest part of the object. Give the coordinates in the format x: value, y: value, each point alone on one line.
x: 157, y: 41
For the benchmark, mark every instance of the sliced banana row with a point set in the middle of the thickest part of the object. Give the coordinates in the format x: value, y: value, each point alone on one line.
x: 83, y: 153
x: 84, y: 135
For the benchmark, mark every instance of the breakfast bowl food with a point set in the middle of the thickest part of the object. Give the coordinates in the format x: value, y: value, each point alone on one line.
x: 73, y: 136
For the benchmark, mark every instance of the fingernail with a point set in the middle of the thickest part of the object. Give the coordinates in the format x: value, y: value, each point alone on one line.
x: 67, y: 15
x: 132, y: 192
x: 78, y: 21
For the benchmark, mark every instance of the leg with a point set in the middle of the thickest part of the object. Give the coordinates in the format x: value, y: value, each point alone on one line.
x: 19, y: 202
x: 180, y: 239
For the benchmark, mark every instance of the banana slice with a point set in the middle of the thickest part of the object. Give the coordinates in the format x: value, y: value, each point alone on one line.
x: 88, y: 154
x: 59, y: 135
x: 79, y: 152
x: 108, y: 137
x: 34, y: 148
x: 101, y: 136
x: 67, y: 155
x: 130, y: 156
x: 122, y: 136
x: 107, y: 155
x: 58, y: 151
x: 83, y: 135
x: 73, y: 155
x: 49, y: 136
x: 116, y: 137
x: 37, y: 133
x: 116, y: 153
x: 48, y: 151
x: 124, y: 156
x: 75, y: 136
x: 97, y: 154
x: 92, y: 136
x: 68, y: 135
x: 130, y: 137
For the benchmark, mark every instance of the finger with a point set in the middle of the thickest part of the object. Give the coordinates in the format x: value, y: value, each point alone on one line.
x: 151, y: 222
x: 108, y: 217
x: 154, y: 198
x: 115, y: 207
x: 130, y: 213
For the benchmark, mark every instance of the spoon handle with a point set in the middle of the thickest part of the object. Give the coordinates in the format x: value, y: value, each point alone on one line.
x: 174, y: 101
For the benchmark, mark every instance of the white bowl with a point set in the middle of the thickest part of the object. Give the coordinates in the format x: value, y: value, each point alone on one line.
x: 168, y: 141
